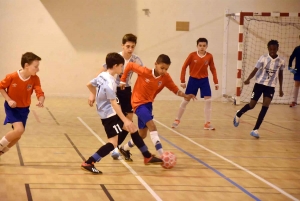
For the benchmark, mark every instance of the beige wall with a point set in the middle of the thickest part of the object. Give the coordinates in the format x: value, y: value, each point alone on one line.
x: 73, y: 36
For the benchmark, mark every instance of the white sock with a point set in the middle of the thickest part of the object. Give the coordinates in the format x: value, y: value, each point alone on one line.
x: 207, y: 109
x: 156, y: 141
x: 182, y: 109
x: 128, y: 145
x: 295, y: 94
x: 3, y: 143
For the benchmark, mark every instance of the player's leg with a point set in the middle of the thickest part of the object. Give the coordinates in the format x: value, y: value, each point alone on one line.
x: 192, y: 88
x: 205, y: 92
x: 268, y: 96
x: 256, y: 93
x: 124, y: 97
x: 113, y: 126
x: 295, y: 90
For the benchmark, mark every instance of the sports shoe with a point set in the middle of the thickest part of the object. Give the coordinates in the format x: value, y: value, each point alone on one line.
x: 153, y: 161
x: 254, y: 133
x: 115, y: 154
x: 126, y: 154
x: 293, y: 104
x: 208, y: 126
x: 91, y: 168
x: 236, y: 120
x: 175, y: 123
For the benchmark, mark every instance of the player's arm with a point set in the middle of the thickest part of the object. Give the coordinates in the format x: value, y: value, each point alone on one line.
x: 292, y: 57
x: 92, y: 87
x: 280, y: 78
x: 4, y: 84
x: 214, y: 72
x: 172, y: 87
x: 252, y: 74
x: 130, y: 67
x: 183, y: 71
x: 39, y: 92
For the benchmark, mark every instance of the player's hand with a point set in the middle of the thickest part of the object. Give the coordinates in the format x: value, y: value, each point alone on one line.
x: 183, y: 85
x: 129, y: 126
x: 40, y: 104
x: 188, y: 97
x: 12, y: 103
x: 122, y: 86
x: 247, y: 82
x: 216, y: 87
x: 91, y: 100
x: 281, y: 93
x: 293, y: 70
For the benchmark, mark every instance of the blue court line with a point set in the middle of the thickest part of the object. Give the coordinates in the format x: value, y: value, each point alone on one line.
x: 213, y: 169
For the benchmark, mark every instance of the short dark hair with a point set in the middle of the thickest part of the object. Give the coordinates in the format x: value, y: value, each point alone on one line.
x: 29, y: 57
x: 163, y: 59
x: 114, y: 58
x: 129, y: 38
x: 273, y: 42
x: 202, y: 40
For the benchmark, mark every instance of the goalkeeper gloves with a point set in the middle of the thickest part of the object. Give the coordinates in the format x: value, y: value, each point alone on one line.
x: 292, y: 70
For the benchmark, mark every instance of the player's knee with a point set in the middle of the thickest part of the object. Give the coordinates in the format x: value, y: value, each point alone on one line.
x: 143, y: 135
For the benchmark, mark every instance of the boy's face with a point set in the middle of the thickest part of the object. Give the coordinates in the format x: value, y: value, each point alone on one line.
x: 118, y: 68
x: 128, y: 47
x: 32, y: 68
x: 273, y: 50
x: 161, y: 68
x: 202, y: 46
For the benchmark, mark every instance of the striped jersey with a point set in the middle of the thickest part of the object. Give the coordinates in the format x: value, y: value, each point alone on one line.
x: 105, y: 91
x: 268, y: 69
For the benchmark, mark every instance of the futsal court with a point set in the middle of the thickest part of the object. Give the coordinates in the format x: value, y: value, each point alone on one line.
x: 225, y: 164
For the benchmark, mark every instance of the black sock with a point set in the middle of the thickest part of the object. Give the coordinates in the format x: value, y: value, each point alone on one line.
x: 102, y: 152
x: 122, y: 136
x: 139, y: 142
x: 261, y: 117
x: 243, y: 110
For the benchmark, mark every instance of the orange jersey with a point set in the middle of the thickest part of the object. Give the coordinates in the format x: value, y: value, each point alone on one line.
x: 20, y: 90
x: 147, y: 86
x: 198, y: 66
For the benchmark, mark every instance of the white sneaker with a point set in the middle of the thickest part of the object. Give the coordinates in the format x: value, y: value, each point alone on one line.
x: 254, y: 133
x: 175, y: 123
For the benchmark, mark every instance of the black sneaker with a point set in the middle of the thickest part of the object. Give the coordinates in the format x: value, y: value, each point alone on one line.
x: 153, y: 161
x: 126, y: 154
x: 91, y: 168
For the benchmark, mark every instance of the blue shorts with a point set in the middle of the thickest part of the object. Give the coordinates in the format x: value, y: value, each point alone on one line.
x: 144, y: 113
x: 297, y: 77
x: 17, y: 114
x: 194, y: 84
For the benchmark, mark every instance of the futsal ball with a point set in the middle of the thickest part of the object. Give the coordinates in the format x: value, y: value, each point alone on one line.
x: 169, y: 160
x: 115, y: 155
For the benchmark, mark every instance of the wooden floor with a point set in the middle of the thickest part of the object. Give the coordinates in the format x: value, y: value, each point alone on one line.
x: 225, y: 164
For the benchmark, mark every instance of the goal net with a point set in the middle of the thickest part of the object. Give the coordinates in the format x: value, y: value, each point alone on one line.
x: 257, y: 32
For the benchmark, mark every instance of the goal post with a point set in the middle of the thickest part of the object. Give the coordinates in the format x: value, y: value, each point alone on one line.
x: 255, y: 31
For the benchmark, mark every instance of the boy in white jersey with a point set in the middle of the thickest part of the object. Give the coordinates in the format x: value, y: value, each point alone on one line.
x: 128, y: 44
x: 266, y: 71
x: 103, y: 89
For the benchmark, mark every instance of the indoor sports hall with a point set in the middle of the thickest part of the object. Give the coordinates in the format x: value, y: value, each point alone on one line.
x: 73, y: 37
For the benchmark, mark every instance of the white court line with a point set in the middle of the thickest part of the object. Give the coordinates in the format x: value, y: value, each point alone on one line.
x: 149, y: 189
x: 229, y: 161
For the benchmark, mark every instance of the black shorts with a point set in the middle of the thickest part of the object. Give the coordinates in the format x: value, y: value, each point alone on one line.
x: 112, y: 125
x: 124, y: 97
x: 259, y: 89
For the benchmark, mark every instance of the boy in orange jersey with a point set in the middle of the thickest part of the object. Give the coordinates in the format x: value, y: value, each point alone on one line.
x: 148, y: 84
x: 16, y: 88
x: 198, y: 63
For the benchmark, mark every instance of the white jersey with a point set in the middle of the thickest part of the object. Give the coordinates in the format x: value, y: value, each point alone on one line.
x: 106, y: 91
x: 268, y: 69
x: 135, y: 59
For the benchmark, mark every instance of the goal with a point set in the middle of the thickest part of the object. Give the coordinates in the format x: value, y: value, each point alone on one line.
x: 255, y: 31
